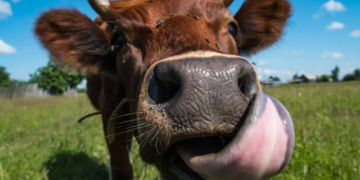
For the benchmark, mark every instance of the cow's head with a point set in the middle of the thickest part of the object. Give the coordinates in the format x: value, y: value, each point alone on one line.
x: 201, y: 110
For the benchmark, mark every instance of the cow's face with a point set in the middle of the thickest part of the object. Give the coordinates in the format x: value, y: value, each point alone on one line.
x: 201, y: 113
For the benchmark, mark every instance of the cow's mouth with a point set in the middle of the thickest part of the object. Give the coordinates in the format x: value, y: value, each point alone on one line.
x: 260, y: 150
x: 203, y: 146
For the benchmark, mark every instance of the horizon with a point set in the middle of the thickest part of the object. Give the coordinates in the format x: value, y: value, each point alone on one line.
x: 319, y: 35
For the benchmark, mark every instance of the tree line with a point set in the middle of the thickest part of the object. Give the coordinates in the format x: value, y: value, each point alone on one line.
x: 56, y: 79
x: 334, y: 76
x: 53, y: 77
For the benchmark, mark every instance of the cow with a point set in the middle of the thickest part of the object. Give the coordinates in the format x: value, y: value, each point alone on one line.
x: 174, y: 75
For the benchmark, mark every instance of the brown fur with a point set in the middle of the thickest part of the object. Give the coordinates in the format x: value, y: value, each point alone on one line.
x: 81, y: 43
x: 261, y: 23
x: 82, y: 46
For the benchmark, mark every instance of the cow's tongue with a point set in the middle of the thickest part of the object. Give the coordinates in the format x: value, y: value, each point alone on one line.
x: 260, y: 150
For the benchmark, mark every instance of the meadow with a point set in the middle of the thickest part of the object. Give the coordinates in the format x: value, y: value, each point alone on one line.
x: 40, y: 139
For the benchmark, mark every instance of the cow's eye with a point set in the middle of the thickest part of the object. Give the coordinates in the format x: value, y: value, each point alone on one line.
x: 117, y: 41
x: 232, y: 29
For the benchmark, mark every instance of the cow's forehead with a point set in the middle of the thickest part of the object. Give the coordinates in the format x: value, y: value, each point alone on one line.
x: 141, y: 11
x: 188, y: 25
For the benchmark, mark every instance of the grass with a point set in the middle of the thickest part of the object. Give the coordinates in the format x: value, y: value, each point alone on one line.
x: 40, y: 138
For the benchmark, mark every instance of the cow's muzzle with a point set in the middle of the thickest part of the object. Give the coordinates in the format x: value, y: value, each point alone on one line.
x: 212, y: 121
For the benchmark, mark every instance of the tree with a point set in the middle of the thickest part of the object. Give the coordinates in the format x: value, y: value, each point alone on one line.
x: 296, y: 76
x: 276, y: 78
x: 354, y: 76
x: 82, y: 90
x: 55, y: 78
x: 349, y: 77
x: 4, y: 77
x: 357, y: 74
x: 335, y: 74
x: 325, y: 78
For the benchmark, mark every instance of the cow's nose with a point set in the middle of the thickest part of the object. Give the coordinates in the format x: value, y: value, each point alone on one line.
x: 198, y: 79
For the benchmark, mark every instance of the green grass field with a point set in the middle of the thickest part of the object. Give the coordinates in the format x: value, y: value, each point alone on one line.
x: 40, y: 138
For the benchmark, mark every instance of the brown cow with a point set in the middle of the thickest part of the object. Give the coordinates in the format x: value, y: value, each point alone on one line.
x: 169, y: 72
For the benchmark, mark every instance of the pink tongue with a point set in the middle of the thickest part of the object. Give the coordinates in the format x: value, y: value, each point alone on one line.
x: 260, y: 150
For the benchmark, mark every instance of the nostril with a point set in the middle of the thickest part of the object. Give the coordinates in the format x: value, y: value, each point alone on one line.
x: 247, y: 85
x: 163, y: 85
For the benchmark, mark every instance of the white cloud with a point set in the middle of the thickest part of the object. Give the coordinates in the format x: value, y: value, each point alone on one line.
x: 333, y: 6
x: 282, y: 74
x: 6, y: 48
x: 330, y: 6
x: 5, y: 9
x: 355, y: 33
x: 278, y: 72
x: 336, y: 55
x: 335, y: 25
x: 295, y: 52
x: 261, y: 63
x: 315, y: 16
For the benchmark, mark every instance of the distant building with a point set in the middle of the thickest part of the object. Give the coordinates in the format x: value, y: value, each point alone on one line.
x: 306, y: 78
x: 295, y: 81
x: 267, y: 82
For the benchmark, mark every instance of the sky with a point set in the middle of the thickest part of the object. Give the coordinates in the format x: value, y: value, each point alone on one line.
x: 320, y: 35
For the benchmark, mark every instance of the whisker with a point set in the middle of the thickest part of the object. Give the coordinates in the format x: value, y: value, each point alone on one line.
x: 156, y: 144
x: 117, y: 111
x: 134, y: 126
x: 126, y: 131
x: 138, y: 136
x: 147, y: 137
x: 155, y: 136
x: 129, y: 124
x: 126, y: 115
x: 137, y: 156
x: 128, y: 121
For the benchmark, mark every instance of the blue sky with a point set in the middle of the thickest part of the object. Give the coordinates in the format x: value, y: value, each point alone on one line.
x: 319, y: 35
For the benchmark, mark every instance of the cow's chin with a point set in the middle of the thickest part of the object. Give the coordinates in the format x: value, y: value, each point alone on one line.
x: 260, y: 150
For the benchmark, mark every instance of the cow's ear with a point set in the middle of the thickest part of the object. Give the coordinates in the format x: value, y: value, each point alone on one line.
x: 73, y: 39
x: 261, y: 24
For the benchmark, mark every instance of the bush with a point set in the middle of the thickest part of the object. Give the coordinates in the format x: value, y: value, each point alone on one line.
x: 325, y: 78
x: 82, y: 90
x: 349, y: 77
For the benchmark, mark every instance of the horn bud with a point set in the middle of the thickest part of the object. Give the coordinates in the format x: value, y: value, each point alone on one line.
x: 102, y: 8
